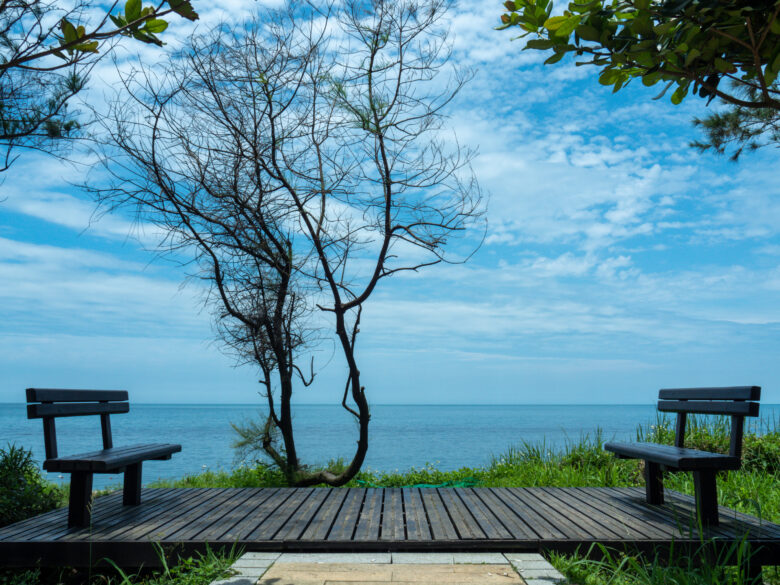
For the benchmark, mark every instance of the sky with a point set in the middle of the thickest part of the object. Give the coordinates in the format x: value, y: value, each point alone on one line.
x: 617, y: 260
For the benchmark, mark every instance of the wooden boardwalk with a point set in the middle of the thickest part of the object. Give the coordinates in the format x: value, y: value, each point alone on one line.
x: 408, y: 519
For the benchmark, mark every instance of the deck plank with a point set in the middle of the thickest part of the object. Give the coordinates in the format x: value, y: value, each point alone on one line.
x: 417, y: 527
x: 491, y: 525
x: 588, y: 513
x: 529, y: 511
x: 393, y: 516
x: 519, y: 529
x: 468, y: 528
x: 214, y: 517
x: 344, y: 526
x: 262, y: 510
x: 574, y: 523
x: 440, y: 523
x: 642, y: 524
x: 300, y: 519
x: 323, y: 519
x: 279, y: 517
x: 246, y: 508
x: 161, y: 526
x: 370, y: 518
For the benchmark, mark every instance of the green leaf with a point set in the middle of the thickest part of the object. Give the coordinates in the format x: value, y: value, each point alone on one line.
x: 662, y: 29
x: 691, y: 56
x: 651, y: 78
x: 609, y: 77
x: 775, y: 26
x: 90, y: 47
x: 147, y: 38
x: 156, y: 25
x: 118, y: 20
x: 541, y: 44
x: 588, y: 32
x: 68, y: 31
x: 132, y: 10
x: 555, y: 22
x: 645, y: 59
x: 679, y: 94
x: 555, y: 58
x: 724, y: 66
x: 567, y: 27
x: 184, y: 9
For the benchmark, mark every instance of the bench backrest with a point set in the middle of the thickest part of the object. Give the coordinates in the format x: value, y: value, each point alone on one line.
x: 736, y: 401
x: 49, y: 403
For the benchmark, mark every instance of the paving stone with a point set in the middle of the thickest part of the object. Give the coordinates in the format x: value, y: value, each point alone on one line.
x: 271, y: 556
x: 255, y: 572
x: 369, y: 558
x: 478, y: 558
x: 452, y: 574
x: 541, y: 574
x: 542, y: 582
x: 310, y: 572
x: 523, y: 565
x: 331, y: 568
x: 389, y: 574
x: 253, y: 563
x: 521, y: 556
x: 291, y: 581
x: 410, y: 558
x: 237, y: 580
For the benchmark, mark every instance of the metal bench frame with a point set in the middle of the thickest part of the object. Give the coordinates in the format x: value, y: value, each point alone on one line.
x: 49, y: 403
x: 736, y: 401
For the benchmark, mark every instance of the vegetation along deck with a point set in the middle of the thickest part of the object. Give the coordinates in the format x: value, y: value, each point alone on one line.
x: 408, y: 519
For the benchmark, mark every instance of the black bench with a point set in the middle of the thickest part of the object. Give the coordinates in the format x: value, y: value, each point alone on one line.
x: 48, y: 404
x: 737, y: 401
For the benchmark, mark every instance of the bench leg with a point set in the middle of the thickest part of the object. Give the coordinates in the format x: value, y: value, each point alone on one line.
x: 754, y: 574
x: 80, y: 506
x: 654, y: 483
x: 131, y: 495
x: 706, y: 497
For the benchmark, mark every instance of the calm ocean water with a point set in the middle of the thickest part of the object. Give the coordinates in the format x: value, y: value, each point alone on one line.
x: 401, y: 436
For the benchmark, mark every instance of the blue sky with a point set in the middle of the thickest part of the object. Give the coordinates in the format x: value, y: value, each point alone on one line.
x: 617, y: 261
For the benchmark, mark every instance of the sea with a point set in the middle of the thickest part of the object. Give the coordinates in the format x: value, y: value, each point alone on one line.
x: 400, y: 436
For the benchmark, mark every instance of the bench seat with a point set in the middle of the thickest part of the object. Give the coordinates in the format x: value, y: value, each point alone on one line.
x: 676, y: 458
x: 49, y: 404
x: 735, y: 401
x: 111, y: 460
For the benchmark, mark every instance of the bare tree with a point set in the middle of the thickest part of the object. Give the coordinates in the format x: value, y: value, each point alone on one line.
x: 303, y: 156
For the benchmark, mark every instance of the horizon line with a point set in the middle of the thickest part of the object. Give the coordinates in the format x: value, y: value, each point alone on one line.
x: 403, y: 404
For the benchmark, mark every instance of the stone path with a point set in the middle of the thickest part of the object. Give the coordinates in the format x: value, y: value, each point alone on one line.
x: 256, y: 568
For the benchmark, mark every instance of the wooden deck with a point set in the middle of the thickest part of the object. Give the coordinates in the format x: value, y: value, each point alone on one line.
x: 503, y: 519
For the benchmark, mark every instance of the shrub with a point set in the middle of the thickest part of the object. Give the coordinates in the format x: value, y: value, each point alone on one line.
x: 23, y: 491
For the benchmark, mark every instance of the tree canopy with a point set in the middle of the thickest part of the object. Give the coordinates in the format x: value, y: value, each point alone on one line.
x: 47, y: 49
x: 728, y: 50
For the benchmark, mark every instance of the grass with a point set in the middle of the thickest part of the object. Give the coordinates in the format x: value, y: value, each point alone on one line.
x: 199, y: 570
x: 755, y: 489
